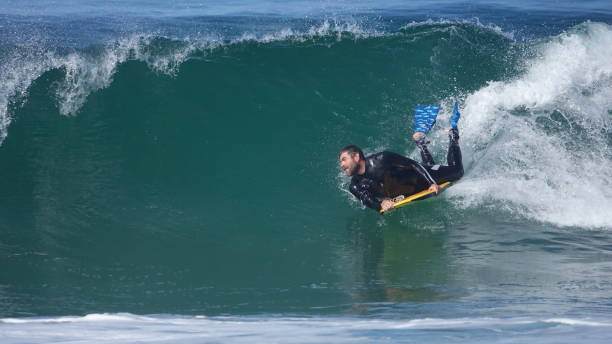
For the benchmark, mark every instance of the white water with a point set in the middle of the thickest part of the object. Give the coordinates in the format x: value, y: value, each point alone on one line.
x: 539, y: 145
x: 129, y: 328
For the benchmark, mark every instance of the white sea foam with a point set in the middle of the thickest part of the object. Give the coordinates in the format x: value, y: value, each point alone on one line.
x: 539, y: 144
x: 129, y: 328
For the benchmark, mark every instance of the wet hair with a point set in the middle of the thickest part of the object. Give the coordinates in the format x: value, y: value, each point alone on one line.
x: 352, y: 150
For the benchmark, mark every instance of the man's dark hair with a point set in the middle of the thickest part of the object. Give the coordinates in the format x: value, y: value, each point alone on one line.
x: 352, y: 150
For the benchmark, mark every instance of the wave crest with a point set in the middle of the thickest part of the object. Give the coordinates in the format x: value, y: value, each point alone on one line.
x: 89, y: 71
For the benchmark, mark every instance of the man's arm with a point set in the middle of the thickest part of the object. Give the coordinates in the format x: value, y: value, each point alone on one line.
x: 362, y: 189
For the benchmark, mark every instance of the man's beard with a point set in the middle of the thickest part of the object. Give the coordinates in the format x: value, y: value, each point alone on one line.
x: 353, y: 171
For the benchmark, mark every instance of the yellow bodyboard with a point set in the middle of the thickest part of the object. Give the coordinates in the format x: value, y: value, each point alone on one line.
x: 417, y: 196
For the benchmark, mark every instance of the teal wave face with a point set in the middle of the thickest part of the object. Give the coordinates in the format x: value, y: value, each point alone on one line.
x: 219, y: 172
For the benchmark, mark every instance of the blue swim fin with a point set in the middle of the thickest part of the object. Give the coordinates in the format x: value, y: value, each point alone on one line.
x: 425, y: 118
x: 455, y: 116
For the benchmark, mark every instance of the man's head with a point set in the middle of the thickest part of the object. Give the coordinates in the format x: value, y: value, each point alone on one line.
x: 351, y: 160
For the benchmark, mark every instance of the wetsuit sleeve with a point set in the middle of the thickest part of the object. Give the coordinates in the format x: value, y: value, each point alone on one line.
x: 399, y: 161
x: 362, y: 189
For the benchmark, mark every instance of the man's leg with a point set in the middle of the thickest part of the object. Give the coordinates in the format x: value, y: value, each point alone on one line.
x: 454, y: 170
x: 421, y: 141
x: 453, y: 157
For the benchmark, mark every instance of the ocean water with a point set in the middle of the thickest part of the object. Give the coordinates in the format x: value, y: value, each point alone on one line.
x: 168, y: 172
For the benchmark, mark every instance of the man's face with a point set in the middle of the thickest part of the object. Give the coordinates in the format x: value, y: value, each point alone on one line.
x: 349, y: 163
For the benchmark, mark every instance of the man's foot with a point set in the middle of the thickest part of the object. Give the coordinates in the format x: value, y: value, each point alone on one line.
x: 453, y: 133
x: 420, y: 138
x: 421, y: 141
x: 455, y: 116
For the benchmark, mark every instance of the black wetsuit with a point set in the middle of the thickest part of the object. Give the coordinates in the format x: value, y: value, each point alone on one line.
x: 389, y: 175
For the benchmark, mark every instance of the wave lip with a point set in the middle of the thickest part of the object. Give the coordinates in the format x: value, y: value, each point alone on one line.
x: 91, y: 70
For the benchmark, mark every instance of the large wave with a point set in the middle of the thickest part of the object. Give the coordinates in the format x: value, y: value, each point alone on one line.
x: 536, y: 141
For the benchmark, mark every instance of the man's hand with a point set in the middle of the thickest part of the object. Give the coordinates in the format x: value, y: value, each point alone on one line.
x: 386, y: 204
x: 435, y: 188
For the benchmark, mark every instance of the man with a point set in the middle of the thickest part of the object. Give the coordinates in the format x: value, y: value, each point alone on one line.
x: 382, y: 176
